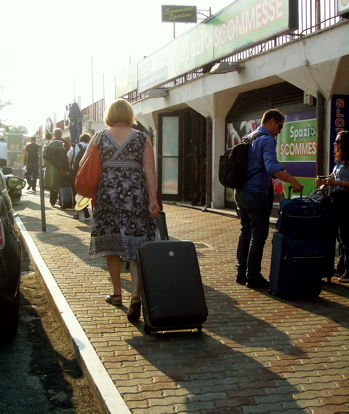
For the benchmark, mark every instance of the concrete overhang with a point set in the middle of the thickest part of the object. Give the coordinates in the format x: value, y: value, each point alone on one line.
x: 317, y: 62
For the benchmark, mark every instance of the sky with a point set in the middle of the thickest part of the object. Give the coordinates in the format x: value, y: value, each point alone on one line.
x: 53, y: 52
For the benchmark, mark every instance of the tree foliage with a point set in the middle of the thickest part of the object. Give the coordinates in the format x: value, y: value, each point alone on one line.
x: 3, y: 104
x: 5, y: 128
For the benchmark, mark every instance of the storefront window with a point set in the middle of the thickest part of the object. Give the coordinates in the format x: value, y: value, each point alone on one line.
x: 169, y: 156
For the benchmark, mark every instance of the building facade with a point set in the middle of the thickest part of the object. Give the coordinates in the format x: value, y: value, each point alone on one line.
x: 207, y: 89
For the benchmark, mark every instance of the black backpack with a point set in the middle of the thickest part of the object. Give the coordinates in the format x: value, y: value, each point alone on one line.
x: 77, y: 159
x: 233, y: 164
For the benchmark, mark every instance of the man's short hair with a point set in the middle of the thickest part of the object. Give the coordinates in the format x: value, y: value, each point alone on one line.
x: 33, y: 139
x: 57, y: 132
x: 85, y: 138
x: 273, y: 113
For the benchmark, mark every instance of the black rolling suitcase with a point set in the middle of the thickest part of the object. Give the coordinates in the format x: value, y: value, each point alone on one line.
x: 302, y: 215
x: 66, y: 198
x: 310, y: 218
x: 297, y: 266
x: 171, y: 287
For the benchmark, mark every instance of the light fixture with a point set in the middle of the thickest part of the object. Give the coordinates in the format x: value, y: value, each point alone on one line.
x: 156, y: 93
x: 225, y: 67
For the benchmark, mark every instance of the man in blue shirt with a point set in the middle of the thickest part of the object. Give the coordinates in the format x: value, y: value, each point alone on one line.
x: 253, y: 199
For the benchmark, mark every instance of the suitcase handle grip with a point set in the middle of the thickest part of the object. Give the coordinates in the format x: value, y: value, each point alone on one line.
x: 289, y: 192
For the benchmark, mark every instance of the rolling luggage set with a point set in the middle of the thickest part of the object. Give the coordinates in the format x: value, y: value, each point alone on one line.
x: 66, y: 198
x: 303, y: 248
x: 171, y: 287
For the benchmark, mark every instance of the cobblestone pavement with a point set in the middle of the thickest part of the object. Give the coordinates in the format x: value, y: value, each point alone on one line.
x: 256, y: 354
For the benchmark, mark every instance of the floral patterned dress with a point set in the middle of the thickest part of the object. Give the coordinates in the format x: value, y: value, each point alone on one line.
x: 120, y: 215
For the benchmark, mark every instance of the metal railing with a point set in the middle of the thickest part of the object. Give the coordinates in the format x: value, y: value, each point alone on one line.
x: 314, y: 15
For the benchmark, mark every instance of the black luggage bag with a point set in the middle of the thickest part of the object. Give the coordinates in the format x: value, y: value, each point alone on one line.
x: 297, y: 266
x: 66, y: 198
x: 171, y: 287
x: 304, y: 215
x: 311, y: 217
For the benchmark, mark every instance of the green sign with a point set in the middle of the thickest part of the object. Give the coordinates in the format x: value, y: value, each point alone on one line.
x: 194, y: 49
x: 248, y: 22
x: 179, y: 14
x: 297, y: 141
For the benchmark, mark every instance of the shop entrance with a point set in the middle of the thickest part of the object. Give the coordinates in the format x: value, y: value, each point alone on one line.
x: 182, y: 157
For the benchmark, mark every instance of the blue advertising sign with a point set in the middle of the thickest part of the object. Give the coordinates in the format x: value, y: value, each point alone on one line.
x: 339, y: 120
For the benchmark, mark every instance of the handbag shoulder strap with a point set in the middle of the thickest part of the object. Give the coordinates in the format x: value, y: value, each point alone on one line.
x: 98, y: 136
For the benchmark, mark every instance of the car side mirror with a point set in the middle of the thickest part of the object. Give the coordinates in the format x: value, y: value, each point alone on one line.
x: 15, y: 183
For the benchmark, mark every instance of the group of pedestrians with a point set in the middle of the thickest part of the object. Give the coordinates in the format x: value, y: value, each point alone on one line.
x: 126, y: 202
x: 61, y: 162
x: 254, y: 208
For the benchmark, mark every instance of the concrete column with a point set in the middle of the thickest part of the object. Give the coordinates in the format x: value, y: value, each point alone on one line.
x: 218, y: 148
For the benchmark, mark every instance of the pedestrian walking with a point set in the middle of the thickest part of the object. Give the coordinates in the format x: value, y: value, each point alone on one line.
x: 75, y: 155
x: 31, y: 161
x: 126, y: 199
x: 57, y: 136
x: 56, y: 162
x: 48, y: 138
x: 3, y: 152
x: 253, y: 200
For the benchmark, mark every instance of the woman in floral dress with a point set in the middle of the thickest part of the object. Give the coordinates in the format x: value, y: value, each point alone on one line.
x: 125, y: 200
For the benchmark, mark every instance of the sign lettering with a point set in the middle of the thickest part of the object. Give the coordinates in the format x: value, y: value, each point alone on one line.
x: 179, y: 14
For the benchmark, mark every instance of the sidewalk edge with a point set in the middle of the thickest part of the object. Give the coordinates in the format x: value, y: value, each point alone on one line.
x: 103, y: 388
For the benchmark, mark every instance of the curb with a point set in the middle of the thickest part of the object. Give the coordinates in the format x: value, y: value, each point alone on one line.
x: 103, y: 388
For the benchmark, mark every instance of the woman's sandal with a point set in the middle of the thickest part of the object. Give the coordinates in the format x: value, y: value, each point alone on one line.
x: 76, y: 217
x: 134, y: 311
x: 115, y: 300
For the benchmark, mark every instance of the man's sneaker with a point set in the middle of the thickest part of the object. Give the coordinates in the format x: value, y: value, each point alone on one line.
x: 344, y: 278
x: 241, y: 279
x: 257, y: 283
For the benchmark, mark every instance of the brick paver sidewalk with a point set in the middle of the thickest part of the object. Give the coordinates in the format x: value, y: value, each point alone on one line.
x: 257, y: 353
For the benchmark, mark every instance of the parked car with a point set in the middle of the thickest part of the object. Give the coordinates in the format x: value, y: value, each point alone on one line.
x: 10, y: 258
x: 14, y: 193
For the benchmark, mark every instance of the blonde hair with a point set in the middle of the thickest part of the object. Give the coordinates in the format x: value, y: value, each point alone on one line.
x: 120, y: 112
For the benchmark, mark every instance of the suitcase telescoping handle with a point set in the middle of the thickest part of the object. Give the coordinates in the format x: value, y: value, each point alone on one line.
x: 289, y: 192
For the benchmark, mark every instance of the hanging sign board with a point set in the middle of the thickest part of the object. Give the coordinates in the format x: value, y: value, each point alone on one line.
x: 179, y: 14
